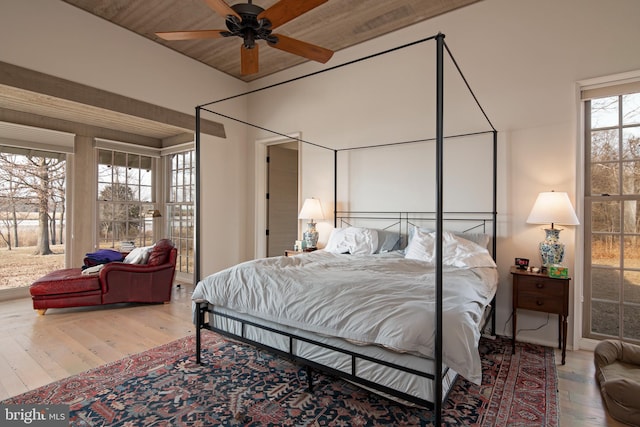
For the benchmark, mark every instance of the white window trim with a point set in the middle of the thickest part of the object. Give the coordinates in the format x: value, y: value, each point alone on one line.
x: 180, y: 148
x: 582, y: 86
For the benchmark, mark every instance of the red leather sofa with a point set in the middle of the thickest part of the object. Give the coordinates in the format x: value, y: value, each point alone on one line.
x: 117, y: 282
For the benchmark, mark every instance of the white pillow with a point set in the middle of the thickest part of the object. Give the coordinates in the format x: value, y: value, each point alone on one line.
x: 353, y: 240
x: 138, y: 255
x: 481, y: 239
x: 456, y: 251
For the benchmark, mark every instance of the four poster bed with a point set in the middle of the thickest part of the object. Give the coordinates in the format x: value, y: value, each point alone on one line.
x: 372, y: 306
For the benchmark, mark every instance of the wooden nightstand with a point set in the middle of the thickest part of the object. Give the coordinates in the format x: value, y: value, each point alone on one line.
x: 539, y: 292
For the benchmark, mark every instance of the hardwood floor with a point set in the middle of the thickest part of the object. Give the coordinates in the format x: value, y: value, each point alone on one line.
x: 580, y: 400
x: 36, y: 350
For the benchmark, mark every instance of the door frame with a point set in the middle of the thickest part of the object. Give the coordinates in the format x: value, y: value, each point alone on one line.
x: 260, y: 248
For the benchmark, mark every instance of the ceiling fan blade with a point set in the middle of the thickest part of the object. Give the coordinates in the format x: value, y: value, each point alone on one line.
x: 248, y: 60
x: 191, y: 35
x: 300, y: 48
x: 286, y: 10
x: 222, y: 8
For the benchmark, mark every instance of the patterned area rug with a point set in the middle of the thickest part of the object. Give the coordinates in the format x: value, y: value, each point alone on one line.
x: 240, y: 385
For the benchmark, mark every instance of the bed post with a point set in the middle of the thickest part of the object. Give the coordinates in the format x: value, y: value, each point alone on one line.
x: 201, y: 306
x: 335, y: 188
x: 196, y: 222
x: 495, y: 220
x: 439, y: 223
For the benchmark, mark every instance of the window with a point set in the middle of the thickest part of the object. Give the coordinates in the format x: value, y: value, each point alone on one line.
x: 32, y: 214
x: 125, y: 194
x: 181, y: 208
x: 612, y: 216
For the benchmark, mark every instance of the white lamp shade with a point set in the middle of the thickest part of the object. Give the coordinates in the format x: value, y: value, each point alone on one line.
x: 553, y: 207
x: 311, y: 209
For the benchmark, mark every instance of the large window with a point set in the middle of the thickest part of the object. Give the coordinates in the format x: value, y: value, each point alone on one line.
x: 180, y: 208
x: 125, y: 196
x: 32, y: 214
x: 612, y: 217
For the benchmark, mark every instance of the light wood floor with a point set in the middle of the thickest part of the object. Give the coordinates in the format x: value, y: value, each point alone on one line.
x: 36, y: 350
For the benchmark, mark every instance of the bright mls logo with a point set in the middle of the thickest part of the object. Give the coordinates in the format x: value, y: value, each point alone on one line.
x: 34, y: 415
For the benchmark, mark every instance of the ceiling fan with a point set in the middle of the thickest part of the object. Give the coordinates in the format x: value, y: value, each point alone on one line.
x: 251, y: 23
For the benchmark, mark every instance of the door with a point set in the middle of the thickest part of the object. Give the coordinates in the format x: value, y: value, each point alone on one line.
x: 282, y: 197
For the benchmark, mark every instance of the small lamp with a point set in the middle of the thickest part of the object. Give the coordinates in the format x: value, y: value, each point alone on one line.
x: 552, y: 207
x: 311, y: 209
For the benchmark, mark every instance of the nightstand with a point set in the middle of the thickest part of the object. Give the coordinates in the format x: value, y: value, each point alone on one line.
x: 539, y: 292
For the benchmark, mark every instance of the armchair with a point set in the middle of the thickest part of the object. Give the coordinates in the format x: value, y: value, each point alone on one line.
x: 618, y: 374
x: 117, y: 282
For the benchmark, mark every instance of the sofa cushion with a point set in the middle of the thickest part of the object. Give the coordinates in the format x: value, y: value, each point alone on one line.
x: 160, y: 253
x: 138, y: 255
x: 66, y: 281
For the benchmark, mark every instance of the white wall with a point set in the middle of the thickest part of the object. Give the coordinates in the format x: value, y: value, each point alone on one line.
x: 58, y: 39
x: 522, y: 58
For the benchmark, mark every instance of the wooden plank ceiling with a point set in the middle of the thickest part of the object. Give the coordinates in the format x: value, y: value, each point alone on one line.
x: 335, y: 25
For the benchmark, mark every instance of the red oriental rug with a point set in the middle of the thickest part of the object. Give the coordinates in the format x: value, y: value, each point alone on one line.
x: 240, y: 385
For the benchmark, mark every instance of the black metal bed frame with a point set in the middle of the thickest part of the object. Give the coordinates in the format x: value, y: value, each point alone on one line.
x: 439, y: 213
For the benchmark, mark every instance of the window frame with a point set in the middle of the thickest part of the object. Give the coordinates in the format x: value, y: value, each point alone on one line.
x: 133, y: 205
x: 182, y: 211
x: 619, y: 197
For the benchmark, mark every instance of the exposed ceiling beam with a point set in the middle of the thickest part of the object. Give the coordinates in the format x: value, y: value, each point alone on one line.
x: 93, y: 106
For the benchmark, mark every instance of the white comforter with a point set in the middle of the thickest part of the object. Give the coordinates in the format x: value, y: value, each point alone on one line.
x: 380, y: 299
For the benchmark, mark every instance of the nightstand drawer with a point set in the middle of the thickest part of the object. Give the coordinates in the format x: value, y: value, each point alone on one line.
x: 538, y: 302
x: 540, y: 285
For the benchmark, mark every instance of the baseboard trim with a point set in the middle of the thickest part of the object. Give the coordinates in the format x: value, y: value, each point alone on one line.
x: 14, y: 293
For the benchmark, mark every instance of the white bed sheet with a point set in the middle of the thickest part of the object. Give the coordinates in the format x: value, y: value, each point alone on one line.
x: 381, y: 299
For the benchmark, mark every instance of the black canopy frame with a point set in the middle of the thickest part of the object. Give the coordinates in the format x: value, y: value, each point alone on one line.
x: 439, y: 214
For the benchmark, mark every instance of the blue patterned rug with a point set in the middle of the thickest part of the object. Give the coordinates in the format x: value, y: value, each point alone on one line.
x: 242, y: 386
